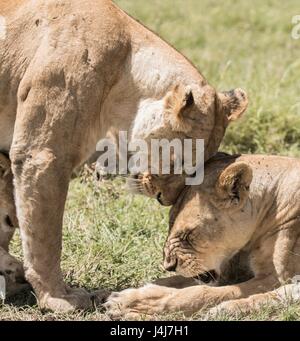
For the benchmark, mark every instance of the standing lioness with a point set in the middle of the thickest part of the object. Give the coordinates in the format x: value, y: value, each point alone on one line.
x: 71, y: 71
x: 242, y: 225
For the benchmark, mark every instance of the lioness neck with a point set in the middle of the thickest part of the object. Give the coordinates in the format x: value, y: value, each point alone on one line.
x: 152, y: 68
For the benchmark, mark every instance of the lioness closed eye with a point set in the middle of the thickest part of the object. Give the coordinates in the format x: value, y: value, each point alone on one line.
x: 243, y: 218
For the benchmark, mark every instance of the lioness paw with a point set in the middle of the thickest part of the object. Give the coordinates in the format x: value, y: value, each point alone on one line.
x: 74, y: 299
x: 138, y: 303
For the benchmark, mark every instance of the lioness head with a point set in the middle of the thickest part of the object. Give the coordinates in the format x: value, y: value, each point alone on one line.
x: 8, y: 218
x: 196, y: 111
x: 211, y: 222
x: 190, y: 112
x: 184, y: 113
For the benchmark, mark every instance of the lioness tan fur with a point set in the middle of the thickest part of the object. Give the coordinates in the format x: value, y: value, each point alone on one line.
x: 244, y: 218
x: 10, y: 268
x: 71, y: 72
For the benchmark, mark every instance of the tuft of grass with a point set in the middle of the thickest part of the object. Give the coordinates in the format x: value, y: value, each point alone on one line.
x: 113, y: 240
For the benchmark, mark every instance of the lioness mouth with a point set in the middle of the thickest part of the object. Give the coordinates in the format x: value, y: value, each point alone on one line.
x: 207, y: 277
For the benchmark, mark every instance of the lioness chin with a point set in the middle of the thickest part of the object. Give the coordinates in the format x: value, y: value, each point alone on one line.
x: 239, y: 232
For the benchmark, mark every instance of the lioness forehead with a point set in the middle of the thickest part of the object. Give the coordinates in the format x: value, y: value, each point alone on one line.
x: 184, y: 206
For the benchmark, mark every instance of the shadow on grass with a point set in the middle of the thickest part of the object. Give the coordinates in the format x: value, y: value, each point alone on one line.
x: 25, y: 297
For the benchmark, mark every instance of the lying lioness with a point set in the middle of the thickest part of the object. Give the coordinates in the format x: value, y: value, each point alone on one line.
x: 244, y: 220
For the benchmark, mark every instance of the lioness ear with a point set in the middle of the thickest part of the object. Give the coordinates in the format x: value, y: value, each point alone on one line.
x: 4, y: 165
x: 234, y: 103
x: 232, y: 187
x: 178, y: 101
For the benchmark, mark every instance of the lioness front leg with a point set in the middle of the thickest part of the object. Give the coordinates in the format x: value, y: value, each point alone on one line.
x: 41, y: 183
x: 154, y: 299
x: 286, y: 293
x: 46, y: 147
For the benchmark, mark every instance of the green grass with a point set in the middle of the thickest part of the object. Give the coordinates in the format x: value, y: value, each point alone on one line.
x: 114, y: 240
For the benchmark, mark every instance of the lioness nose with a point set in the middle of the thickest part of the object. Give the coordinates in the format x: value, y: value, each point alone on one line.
x: 170, y: 264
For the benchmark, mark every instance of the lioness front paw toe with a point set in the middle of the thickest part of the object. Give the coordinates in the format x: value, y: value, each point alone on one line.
x: 118, y: 305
